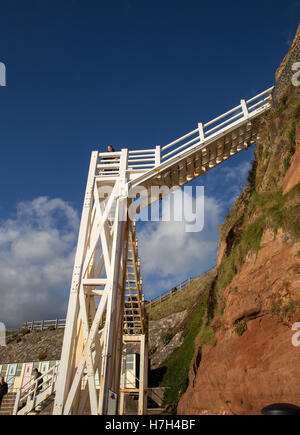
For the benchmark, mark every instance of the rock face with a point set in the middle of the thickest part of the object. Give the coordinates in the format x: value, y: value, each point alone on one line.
x: 275, y: 280
x: 283, y: 73
x: 253, y: 361
x: 26, y: 346
x: 161, y: 340
x: 241, y: 375
x: 293, y: 174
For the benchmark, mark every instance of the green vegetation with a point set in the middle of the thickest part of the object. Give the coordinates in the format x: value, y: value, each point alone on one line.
x: 240, y: 327
x: 296, y: 111
x: 280, y: 109
x: 291, y: 144
x: 252, y: 235
x: 182, y: 299
x: 206, y: 335
x: 260, y: 207
x: 230, y: 267
x: 285, y: 311
x: 178, y: 363
x: 274, y: 211
x: 275, y: 310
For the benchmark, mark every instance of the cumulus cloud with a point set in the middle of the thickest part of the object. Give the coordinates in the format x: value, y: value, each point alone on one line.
x: 234, y: 178
x: 238, y: 173
x: 36, y: 258
x: 170, y: 254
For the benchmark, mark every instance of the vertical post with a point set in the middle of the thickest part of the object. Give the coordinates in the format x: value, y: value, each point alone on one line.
x: 16, y: 405
x: 34, y: 393
x: 109, y: 370
x: 123, y: 385
x: 157, y: 155
x: 56, y: 324
x: 67, y: 365
x: 110, y: 324
x: 32, y: 323
x: 43, y: 324
x: 201, y: 132
x: 142, y: 404
x: 244, y: 108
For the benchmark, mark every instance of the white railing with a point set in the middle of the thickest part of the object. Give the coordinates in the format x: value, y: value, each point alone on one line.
x: 109, y: 164
x: 141, y: 161
x: 246, y: 110
x: 28, y: 394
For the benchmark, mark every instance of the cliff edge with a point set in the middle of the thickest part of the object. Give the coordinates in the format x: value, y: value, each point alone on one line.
x: 255, y: 299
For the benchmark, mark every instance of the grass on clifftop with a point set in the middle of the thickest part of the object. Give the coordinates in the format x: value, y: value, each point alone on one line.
x: 262, y: 205
x: 274, y: 211
x: 182, y: 299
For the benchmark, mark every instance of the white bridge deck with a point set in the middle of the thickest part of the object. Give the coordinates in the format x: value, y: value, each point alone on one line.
x: 193, y: 154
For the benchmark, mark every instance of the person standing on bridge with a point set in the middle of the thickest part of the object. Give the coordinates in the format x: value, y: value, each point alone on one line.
x: 110, y: 149
x: 3, y: 389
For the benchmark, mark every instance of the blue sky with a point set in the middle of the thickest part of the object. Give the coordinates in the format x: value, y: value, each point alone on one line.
x: 82, y: 74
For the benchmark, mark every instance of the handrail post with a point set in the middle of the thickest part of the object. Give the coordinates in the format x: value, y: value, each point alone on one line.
x: 17, y: 400
x: 201, y: 131
x: 244, y: 108
x: 52, y: 380
x: 157, y: 155
x: 34, y: 392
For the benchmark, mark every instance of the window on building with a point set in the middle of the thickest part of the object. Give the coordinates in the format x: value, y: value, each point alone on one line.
x: 130, y: 362
x: 3, y: 370
x: 19, y: 370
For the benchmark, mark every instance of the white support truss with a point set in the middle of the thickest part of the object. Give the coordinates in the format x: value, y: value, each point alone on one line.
x: 106, y: 309
x: 101, y: 292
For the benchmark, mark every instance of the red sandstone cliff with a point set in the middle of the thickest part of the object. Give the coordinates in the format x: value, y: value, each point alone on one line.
x: 256, y: 298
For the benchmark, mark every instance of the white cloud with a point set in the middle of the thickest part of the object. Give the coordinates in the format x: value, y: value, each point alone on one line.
x: 36, y: 259
x: 37, y: 250
x: 169, y: 254
x: 235, y: 178
x: 237, y: 173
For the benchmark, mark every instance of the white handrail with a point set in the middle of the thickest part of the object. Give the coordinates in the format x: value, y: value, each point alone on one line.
x: 33, y: 388
x: 222, y: 116
x: 225, y: 123
x: 238, y: 115
x: 150, y: 159
x: 269, y: 90
x: 179, y: 140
